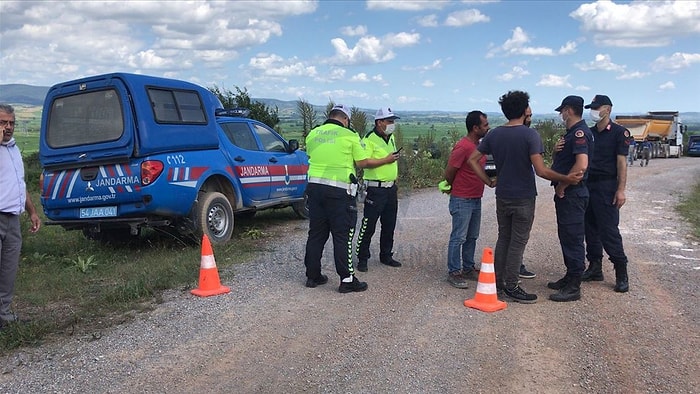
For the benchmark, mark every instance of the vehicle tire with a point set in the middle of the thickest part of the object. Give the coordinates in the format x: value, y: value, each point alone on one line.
x: 214, y: 217
x: 301, y: 208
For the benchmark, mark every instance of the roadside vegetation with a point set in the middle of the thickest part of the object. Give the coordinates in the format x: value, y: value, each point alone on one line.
x: 68, y: 285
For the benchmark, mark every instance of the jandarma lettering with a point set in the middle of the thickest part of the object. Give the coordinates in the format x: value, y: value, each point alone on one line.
x: 124, y: 180
x: 254, y: 171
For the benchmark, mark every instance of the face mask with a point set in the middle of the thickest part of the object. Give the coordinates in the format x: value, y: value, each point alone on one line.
x: 562, y: 117
x: 595, y: 115
x: 527, y: 122
x: 390, y: 129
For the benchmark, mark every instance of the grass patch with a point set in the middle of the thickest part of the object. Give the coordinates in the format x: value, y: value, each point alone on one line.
x: 689, y: 208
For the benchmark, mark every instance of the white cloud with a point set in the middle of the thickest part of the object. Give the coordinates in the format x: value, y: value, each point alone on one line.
x: 435, y: 65
x: 428, y: 21
x: 516, y: 45
x: 557, y: 81
x: 353, y: 31
x: 667, y: 86
x: 428, y: 83
x: 406, y: 5
x: 370, y: 49
x: 582, y: 88
x: 516, y: 72
x: 465, y: 18
x: 601, y: 62
x: 568, y: 48
x: 632, y: 75
x: 675, y: 62
x: 639, y: 23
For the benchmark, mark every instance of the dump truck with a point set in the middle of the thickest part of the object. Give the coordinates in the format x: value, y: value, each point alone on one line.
x: 663, y: 129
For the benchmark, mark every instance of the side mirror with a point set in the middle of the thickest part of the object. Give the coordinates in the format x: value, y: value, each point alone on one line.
x: 292, y: 146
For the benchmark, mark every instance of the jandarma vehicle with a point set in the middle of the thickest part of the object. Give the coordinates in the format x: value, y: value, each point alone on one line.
x: 122, y: 151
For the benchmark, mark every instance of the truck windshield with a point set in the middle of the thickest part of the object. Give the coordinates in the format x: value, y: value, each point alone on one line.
x: 85, y: 118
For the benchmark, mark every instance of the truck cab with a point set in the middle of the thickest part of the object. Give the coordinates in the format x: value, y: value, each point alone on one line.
x: 123, y: 151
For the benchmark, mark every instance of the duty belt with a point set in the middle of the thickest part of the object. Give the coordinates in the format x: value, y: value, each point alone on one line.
x: 386, y: 184
x: 328, y: 182
x: 595, y: 178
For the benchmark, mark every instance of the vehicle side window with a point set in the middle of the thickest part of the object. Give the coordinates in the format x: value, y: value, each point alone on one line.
x: 240, y: 135
x: 176, y: 106
x: 270, y: 141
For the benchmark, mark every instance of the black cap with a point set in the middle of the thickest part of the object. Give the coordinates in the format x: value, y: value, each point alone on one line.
x: 571, y: 101
x: 599, y: 100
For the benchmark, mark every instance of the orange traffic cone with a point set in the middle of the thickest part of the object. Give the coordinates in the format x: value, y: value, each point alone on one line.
x: 209, y: 283
x: 486, y: 298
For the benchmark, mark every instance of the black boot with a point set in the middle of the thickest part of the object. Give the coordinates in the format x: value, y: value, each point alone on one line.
x: 570, y: 292
x: 594, y: 272
x: 621, y: 281
x: 560, y: 284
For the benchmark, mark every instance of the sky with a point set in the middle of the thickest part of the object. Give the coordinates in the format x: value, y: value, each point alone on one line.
x: 408, y: 55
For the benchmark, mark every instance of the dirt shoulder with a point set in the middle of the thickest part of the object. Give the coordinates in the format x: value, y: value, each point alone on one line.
x: 410, y: 332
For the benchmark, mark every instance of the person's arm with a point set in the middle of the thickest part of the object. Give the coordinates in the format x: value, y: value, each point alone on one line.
x: 373, y: 163
x: 450, y: 173
x: 474, y: 162
x: 579, y: 166
x: 573, y: 178
x: 620, y: 197
x: 33, y: 216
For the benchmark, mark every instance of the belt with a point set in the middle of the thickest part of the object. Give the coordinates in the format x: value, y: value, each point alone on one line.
x: 386, y: 184
x: 594, y: 178
x: 328, y: 182
x: 7, y: 214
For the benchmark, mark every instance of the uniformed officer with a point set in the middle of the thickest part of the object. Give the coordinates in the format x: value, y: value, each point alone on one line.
x: 607, y: 178
x: 570, y: 201
x: 381, y: 202
x: 334, y: 150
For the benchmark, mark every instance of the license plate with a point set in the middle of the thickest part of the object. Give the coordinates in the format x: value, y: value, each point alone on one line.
x: 98, y: 212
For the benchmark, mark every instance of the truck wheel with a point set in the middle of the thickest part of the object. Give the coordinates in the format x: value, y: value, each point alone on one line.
x: 301, y: 208
x: 215, y: 218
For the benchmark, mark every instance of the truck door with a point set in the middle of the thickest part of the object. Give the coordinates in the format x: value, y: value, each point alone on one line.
x: 249, y: 162
x: 288, y: 173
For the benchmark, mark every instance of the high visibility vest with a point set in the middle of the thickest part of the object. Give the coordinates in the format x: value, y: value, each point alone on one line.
x: 378, y: 148
x: 333, y: 151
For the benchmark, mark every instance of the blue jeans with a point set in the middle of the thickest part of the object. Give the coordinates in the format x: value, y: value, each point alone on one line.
x: 466, y: 220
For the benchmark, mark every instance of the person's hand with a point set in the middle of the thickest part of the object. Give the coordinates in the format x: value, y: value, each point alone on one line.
x: 559, y: 145
x: 36, y: 223
x: 619, y: 199
x: 391, y: 157
x: 559, y: 189
x: 574, y: 178
x: 492, y: 183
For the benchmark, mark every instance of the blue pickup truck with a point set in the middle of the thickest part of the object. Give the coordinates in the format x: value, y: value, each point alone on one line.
x: 123, y: 151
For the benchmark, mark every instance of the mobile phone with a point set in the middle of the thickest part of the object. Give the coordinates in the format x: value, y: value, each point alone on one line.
x: 398, y: 150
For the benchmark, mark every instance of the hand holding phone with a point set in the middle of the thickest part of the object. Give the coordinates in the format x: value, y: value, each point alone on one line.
x: 398, y: 150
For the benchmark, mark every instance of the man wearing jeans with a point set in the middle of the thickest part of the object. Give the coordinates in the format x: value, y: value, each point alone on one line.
x: 465, y: 202
x: 516, y: 150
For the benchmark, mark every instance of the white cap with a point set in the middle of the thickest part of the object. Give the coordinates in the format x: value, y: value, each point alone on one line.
x: 341, y: 107
x: 385, y: 113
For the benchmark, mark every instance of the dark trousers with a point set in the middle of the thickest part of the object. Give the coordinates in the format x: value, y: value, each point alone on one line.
x: 331, y: 211
x: 515, y: 217
x: 602, y: 221
x: 571, y: 214
x: 381, y: 203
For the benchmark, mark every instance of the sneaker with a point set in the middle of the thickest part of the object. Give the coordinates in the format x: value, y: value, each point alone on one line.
x: 321, y: 280
x: 362, y: 265
x: 471, y: 274
x: 519, y: 295
x: 457, y: 280
x: 524, y: 273
x: 355, y: 285
x: 391, y: 262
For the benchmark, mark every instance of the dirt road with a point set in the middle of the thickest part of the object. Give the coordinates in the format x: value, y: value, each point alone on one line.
x: 410, y: 332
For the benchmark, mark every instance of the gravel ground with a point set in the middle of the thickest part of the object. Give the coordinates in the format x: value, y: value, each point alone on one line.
x: 410, y: 332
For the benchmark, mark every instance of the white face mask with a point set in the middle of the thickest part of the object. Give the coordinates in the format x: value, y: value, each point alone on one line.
x: 562, y: 117
x: 595, y: 115
x: 390, y: 129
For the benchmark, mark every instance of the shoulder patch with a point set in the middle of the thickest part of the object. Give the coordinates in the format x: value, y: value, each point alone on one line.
x: 578, y: 133
x: 627, y: 133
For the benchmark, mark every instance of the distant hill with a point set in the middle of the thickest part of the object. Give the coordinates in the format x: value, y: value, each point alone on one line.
x: 23, y: 94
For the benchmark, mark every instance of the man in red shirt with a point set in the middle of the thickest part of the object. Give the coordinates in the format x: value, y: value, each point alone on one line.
x: 465, y: 202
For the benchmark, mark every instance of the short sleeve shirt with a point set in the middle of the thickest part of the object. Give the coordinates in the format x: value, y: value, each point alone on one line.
x: 511, y: 147
x: 610, y: 142
x: 577, y: 140
x: 466, y: 183
x: 377, y: 147
x: 333, y: 151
